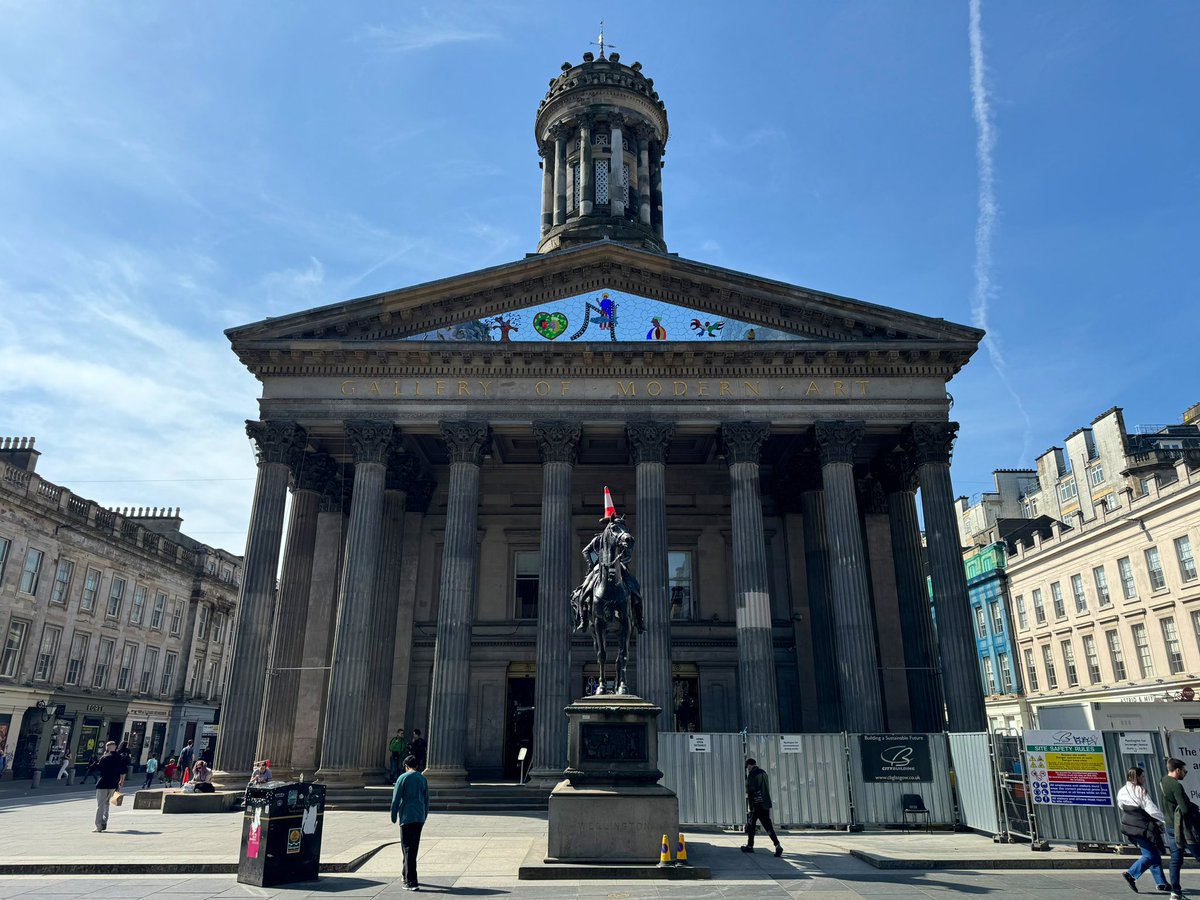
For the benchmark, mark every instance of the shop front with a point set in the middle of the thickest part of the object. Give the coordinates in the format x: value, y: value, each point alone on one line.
x: 146, y: 725
x: 23, y: 717
x: 82, y: 724
x: 188, y: 721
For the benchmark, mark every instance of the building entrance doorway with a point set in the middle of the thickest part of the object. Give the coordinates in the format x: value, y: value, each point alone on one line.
x: 518, y: 731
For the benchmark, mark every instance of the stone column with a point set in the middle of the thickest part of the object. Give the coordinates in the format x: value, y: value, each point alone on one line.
x: 648, y: 442
x: 547, y: 187
x: 341, y: 744
x: 617, y: 195
x: 466, y: 443
x: 926, y: 704
x: 311, y: 473
x: 559, y: 132
x: 275, y: 444
x: 757, y: 691
x: 932, y: 444
x: 587, y: 168
x: 558, y: 443
x: 820, y: 601
x: 416, y: 503
x: 854, y: 632
x: 402, y: 470
x: 656, y: 164
x: 644, y: 179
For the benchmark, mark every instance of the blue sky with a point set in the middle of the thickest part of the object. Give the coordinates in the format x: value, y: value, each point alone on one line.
x: 168, y: 170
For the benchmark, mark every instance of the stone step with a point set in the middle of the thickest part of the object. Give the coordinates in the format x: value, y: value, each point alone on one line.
x: 473, y: 798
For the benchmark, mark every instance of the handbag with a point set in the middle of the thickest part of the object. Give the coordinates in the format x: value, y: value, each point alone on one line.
x: 117, y: 798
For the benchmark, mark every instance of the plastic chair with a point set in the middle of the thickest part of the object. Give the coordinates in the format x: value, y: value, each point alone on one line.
x: 913, y: 807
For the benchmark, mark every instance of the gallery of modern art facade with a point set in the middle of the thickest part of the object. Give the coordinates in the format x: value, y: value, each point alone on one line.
x: 446, y: 447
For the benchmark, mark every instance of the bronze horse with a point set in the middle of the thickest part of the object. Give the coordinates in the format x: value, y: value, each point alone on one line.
x: 609, y: 596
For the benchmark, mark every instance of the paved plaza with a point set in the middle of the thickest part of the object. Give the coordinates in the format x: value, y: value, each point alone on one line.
x: 470, y: 855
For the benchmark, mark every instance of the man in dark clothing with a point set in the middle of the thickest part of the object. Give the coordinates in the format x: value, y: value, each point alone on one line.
x: 417, y: 749
x: 187, y: 756
x: 397, y: 750
x: 758, y: 807
x: 1181, y: 820
x: 113, y: 770
x: 410, y: 807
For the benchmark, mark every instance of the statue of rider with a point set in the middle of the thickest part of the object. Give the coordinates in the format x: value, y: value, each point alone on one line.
x: 582, y: 598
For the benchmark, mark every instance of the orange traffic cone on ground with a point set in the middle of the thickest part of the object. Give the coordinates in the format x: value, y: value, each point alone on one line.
x: 187, y: 775
x: 664, y: 855
x: 681, y: 853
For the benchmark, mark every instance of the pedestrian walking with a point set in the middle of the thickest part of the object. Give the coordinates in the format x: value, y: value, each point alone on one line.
x: 151, y: 769
x: 758, y: 807
x: 417, y: 749
x: 169, y: 771
x: 112, y: 770
x: 1142, y: 823
x: 410, y: 807
x: 64, y: 770
x: 187, y: 756
x: 398, y: 748
x: 1182, y: 820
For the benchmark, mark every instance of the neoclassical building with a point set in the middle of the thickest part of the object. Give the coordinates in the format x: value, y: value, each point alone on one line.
x: 446, y: 447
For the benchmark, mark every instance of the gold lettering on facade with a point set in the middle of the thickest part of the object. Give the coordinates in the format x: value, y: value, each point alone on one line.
x: 374, y: 389
x: 349, y: 388
x: 726, y: 390
x: 395, y: 389
x: 862, y: 388
x: 417, y: 391
x: 439, y: 388
x: 839, y: 389
x: 542, y: 388
x: 564, y: 386
x: 653, y: 388
x: 702, y: 388
x: 678, y: 388
x: 812, y: 389
x: 464, y: 389
x: 752, y: 387
x: 486, y: 386
x: 626, y: 388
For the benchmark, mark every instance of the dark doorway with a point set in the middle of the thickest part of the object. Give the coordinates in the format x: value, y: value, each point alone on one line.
x: 158, y: 737
x: 519, y: 727
x: 116, y: 731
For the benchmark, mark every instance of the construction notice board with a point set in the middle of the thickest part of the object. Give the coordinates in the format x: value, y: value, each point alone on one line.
x: 1067, y: 768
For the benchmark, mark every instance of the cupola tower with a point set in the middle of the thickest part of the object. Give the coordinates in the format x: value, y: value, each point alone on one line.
x: 601, y: 131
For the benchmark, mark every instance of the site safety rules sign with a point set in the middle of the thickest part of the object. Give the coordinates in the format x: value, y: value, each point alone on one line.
x: 1067, y: 767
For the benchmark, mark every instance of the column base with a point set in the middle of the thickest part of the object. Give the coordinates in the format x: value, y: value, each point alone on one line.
x: 227, y: 781
x: 446, y: 777
x: 341, y: 777
x: 544, y: 779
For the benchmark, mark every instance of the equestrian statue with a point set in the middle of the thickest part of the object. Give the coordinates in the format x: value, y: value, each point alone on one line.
x: 610, y: 596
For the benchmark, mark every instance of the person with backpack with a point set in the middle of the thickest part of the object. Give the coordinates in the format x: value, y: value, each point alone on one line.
x: 1182, y: 821
x: 1142, y: 823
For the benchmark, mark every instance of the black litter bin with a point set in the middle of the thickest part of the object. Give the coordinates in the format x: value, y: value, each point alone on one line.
x: 281, y: 833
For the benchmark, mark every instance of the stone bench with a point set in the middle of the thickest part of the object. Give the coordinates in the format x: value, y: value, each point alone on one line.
x: 217, y: 802
x: 148, y: 799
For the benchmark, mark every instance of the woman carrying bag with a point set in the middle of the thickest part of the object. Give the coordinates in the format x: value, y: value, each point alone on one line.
x: 1142, y: 823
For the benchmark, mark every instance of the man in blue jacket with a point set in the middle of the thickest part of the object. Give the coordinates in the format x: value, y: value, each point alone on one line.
x: 410, y: 807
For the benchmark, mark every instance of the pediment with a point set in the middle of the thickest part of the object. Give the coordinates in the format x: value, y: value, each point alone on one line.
x: 548, y: 298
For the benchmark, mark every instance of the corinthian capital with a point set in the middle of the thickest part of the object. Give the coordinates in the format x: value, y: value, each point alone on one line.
x: 558, y: 441
x: 312, y: 471
x: 743, y: 441
x: 402, y: 472
x: 276, y: 442
x: 370, y: 441
x: 897, y: 470
x: 837, y: 440
x: 649, y: 441
x: 419, y: 494
x: 933, y: 442
x: 466, y: 441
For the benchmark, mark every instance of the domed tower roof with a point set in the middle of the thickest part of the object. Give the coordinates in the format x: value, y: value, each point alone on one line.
x: 588, y: 193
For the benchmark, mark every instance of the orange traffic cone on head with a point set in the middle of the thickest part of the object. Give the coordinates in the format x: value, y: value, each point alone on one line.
x: 681, y: 853
x: 664, y: 855
x: 610, y: 508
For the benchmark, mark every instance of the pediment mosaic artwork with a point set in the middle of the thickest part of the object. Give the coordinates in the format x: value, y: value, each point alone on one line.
x: 607, y: 315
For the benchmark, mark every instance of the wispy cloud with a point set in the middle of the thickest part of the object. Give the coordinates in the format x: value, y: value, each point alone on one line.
x: 424, y: 34
x: 989, y: 211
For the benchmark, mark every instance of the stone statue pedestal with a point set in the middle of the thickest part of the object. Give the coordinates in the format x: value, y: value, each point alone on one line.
x: 611, y: 808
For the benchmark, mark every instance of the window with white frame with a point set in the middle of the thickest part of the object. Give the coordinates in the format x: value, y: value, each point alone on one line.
x: 31, y: 572
x: 177, y: 618
x: 526, y: 578
x: 1067, y: 490
x: 14, y: 644
x: 5, y: 545
x: 1141, y: 641
x: 1128, y: 585
x: 149, y: 664
x: 1031, y: 676
x: 1039, y: 608
x: 1115, y: 655
x: 43, y: 669
x: 194, y: 676
x: 1068, y: 653
x: 1056, y: 596
x: 989, y: 676
x: 218, y: 626
x: 1048, y: 665
x: 1158, y: 579
x: 1022, y: 618
x: 997, y: 617
x: 128, y: 662
x: 64, y: 572
x: 168, y: 674
x: 202, y: 622
x: 1080, y: 596
x: 75, y: 657
x: 156, y: 611
x: 1006, y: 678
x: 681, y: 585
x: 137, y: 609
x: 104, y: 655
x: 116, y: 597
x: 980, y: 623
x: 1096, y: 475
x: 1183, y: 553
x: 1174, y: 647
x: 1101, y: 579
x: 91, y: 589
x: 210, y: 682
x: 1092, y: 657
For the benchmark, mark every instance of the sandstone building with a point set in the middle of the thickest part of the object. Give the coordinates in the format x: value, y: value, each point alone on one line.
x: 116, y: 625
x: 446, y: 446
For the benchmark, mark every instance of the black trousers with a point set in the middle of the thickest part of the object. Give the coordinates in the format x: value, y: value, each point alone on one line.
x: 759, y: 815
x: 410, y: 843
